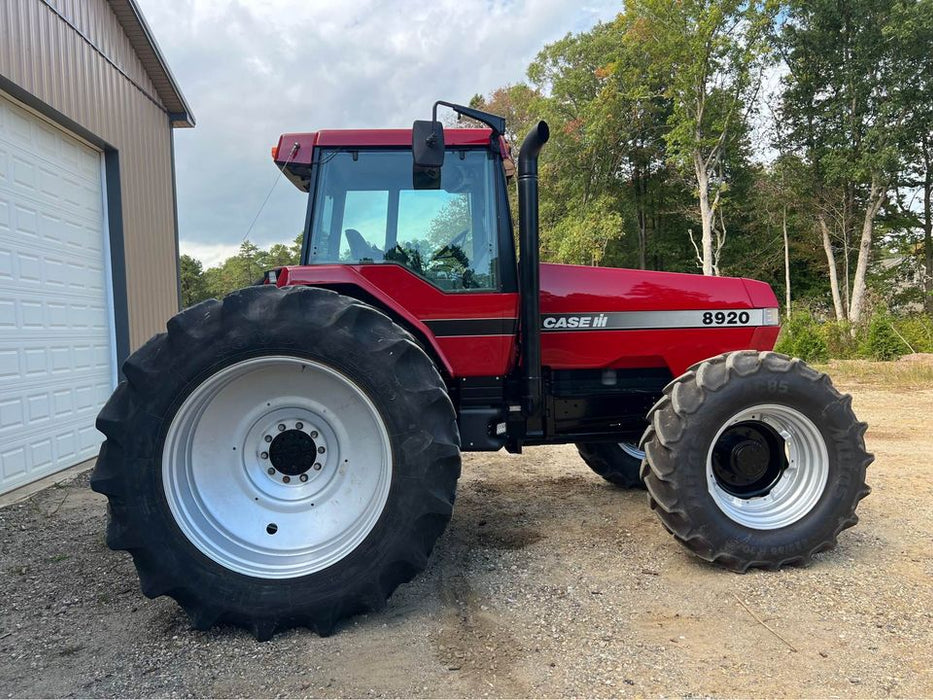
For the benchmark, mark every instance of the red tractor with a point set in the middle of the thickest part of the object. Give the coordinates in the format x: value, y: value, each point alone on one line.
x: 289, y: 455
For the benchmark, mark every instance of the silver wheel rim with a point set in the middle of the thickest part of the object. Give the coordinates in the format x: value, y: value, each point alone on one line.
x: 235, y: 506
x: 632, y: 451
x: 799, y: 486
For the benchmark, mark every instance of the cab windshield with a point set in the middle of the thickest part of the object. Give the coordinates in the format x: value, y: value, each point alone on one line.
x: 366, y: 210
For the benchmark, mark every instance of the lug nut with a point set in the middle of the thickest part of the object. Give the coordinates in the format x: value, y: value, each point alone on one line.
x: 317, y: 466
x: 299, y: 426
x: 268, y: 438
x: 314, y: 433
x: 286, y: 479
x: 303, y: 477
x: 270, y: 470
x: 264, y: 455
x: 281, y: 427
x: 320, y: 450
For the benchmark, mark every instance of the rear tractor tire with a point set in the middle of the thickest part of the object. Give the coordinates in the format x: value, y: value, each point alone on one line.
x: 284, y: 457
x: 619, y: 463
x: 753, y: 459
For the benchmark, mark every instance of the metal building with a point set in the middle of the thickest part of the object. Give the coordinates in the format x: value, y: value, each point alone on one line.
x: 88, y: 229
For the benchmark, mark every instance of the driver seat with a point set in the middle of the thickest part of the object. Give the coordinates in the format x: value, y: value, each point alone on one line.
x: 360, y: 249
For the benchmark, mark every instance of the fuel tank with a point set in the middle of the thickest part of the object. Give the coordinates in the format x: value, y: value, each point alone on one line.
x: 596, y: 317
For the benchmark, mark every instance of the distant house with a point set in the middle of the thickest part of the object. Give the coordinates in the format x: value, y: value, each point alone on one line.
x: 88, y: 234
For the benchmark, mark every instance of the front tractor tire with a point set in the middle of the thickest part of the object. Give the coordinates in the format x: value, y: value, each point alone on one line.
x: 284, y: 457
x: 754, y: 459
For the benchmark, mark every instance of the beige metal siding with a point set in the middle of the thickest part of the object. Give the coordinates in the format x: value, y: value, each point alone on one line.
x: 112, y: 97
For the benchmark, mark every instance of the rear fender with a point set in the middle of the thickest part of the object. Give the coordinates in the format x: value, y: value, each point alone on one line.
x: 349, y: 283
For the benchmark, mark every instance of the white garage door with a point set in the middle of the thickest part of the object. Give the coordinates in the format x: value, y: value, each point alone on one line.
x: 56, y: 366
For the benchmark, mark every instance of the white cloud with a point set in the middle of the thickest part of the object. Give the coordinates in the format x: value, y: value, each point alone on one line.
x: 210, y: 254
x: 252, y: 71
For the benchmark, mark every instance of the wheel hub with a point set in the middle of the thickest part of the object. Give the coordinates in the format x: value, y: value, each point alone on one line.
x: 292, y: 448
x: 292, y: 452
x: 748, y: 459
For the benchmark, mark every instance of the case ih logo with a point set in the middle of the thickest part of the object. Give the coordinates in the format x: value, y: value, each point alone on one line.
x: 551, y: 323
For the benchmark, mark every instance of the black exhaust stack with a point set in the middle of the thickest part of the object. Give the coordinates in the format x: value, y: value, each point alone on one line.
x: 529, y: 272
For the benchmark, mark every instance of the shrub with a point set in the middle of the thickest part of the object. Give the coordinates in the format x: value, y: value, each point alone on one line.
x: 810, y: 346
x: 917, y: 331
x: 881, y: 342
x: 839, y: 341
x: 800, y: 337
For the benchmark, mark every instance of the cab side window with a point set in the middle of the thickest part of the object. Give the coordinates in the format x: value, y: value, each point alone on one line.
x: 447, y: 236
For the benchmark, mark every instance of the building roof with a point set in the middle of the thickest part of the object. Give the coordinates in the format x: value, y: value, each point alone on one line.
x: 144, y: 43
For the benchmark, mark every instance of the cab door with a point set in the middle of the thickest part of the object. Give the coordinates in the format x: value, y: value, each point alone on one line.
x: 444, y: 255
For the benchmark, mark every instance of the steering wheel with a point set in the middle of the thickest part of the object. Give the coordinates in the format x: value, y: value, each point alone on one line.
x: 448, y: 250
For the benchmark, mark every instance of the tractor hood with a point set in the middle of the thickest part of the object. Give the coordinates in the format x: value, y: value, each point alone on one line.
x: 575, y: 288
x: 671, y: 319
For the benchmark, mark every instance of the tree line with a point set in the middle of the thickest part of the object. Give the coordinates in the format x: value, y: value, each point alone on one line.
x: 786, y: 141
x: 236, y: 272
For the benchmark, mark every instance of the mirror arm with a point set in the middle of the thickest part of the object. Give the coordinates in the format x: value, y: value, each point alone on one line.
x: 496, y: 123
x: 432, y: 139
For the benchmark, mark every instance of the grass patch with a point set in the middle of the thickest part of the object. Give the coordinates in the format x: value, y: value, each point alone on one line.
x: 889, y: 375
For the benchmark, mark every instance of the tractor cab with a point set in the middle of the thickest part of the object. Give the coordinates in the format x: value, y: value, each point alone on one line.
x: 368, y: 205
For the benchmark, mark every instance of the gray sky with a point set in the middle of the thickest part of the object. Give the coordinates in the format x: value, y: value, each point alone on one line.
x: 253, y: 70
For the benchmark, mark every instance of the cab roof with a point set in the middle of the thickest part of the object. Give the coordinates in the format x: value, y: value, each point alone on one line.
x: 294, y: 151
x: 336, y: 138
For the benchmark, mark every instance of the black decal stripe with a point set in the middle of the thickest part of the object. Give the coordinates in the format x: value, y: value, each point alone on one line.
x: 472, y: 326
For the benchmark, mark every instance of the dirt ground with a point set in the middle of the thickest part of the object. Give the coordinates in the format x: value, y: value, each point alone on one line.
x: 548, y: 583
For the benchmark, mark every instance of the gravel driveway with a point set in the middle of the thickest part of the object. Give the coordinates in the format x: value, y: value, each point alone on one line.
x: 548, y: 582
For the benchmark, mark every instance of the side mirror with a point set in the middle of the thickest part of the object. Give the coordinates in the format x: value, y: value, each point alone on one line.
x: 427, y: 149
x: 427, y: 144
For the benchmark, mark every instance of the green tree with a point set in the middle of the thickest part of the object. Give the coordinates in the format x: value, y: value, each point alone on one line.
x: 844, y: 118
x: 194, y: 287
x: 709, y: 56
x: 585, y: 200
x: 278, y: 255
x: 237, y: 271
x: 584, y: 236
x: 517, y: 103
x: 911, y: 29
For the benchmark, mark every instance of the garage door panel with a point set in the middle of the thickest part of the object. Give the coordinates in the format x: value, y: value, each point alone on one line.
x: 56, y: 340
x: 17, y: 124
x: 50, y: 278
x: 32, y: 414
x: 41, y: 142
x: 24, y: 223
x: 48, y: 360
x: 23, y: 174
x: 75, y: 194
x: 6, y: 264
x: 9, y: 364
x: 51, y: 221
x: 12, y: 413
x: 13, y: 465
x: 8, y: 316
